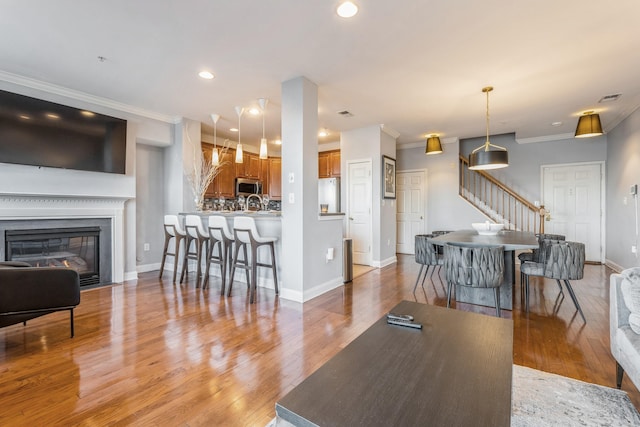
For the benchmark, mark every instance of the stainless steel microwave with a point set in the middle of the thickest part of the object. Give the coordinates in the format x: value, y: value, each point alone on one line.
x: 246, y: 187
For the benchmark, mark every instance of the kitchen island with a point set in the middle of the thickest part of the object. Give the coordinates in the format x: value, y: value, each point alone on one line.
x: 268, y: 223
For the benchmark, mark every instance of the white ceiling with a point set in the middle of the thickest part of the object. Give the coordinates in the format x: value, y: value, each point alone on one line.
x: 417, y: 66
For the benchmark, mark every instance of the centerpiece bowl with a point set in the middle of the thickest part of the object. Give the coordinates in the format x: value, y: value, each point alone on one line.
x: 487, y: 228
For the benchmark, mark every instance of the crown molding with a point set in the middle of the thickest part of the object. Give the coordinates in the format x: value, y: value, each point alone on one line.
x: 85, y: 97
x: 389, y: 131
x: 546, y: 138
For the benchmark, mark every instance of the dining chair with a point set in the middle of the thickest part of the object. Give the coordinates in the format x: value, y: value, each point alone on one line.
x: 566, y: 262
x: 474, y: 266
x: 426, y: 254
x: 536, y: 269
x: 172, y: 230
x: 534, y: 255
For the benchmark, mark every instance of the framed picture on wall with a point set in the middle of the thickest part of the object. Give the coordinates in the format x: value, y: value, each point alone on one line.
x: 388, y: 178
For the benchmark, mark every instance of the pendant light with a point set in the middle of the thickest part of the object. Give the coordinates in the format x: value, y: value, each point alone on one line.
x: 263, y: 142
x: 433, y: 145
x: 588, y: 125
x: 215, y: 159
x: 488, y: 156
x: 239, y: 111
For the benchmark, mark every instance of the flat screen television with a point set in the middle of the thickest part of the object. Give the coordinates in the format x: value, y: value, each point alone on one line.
x: 42, y: 133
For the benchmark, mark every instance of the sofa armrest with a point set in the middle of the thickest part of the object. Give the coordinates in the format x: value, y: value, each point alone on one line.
x: 618, y: 310
x: 38, y: 288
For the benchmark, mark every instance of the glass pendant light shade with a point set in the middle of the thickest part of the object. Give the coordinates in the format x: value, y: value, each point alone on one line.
x: 433, y: 145
x: 588, y: 125
x: 215, y: 159
x: 263, y: 142
x: 488, y: 156
x: 239, y: 159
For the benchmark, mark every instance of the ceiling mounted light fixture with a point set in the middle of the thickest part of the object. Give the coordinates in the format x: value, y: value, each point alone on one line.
x: 433, y: 145
x: 588, y: 125
x: 488, y: 156
x: 215, y: 157
x: 323, y: 133
x: 239, y: 159
x: 347, y: 9
x: 263, y: 142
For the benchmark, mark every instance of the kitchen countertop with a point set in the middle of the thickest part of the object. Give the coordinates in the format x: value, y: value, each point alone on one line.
x: 256, y: 214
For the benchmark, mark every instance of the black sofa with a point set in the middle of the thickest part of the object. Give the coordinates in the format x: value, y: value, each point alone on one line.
x: 28, y: 292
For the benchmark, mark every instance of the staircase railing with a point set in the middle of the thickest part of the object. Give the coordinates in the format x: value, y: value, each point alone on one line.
x: 499, y: 202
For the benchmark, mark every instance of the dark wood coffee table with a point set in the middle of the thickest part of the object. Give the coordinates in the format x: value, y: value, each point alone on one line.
x: 455, y: 371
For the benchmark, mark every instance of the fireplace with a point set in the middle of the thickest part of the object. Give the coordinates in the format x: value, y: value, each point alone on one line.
x: 83, y: 244
x: 76, y: 248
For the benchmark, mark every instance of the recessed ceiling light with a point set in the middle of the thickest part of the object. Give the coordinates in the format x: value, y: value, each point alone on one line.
x: 323, y: 133
x: 87, y: 113
x: 52, y: 116
x: 556, y: 124
x: 254, y: 111
x: 278, y: 142
x: 206, y: 75
x: 347, y: 9
x: 233, y: 130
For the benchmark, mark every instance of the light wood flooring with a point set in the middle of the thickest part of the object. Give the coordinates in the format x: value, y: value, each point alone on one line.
x: 149, y: 352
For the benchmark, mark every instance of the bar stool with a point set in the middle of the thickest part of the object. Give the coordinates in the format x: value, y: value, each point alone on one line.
x: 220, y: 237
x: 246, y: 234
x: 172, y: 230
x: 197, y: 235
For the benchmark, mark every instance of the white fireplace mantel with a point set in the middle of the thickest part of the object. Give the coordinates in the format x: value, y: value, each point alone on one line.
x: 24, y: 207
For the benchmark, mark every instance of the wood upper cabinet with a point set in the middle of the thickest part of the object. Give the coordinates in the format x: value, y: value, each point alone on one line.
x: 264, y: 175
x: 275, y: 178
x: 224, y: 182
x: 250, y: 166
x: 329, y: 164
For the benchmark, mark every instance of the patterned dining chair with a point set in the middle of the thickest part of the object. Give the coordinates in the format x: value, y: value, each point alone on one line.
x: 474, y: 266
x: 426, y: 254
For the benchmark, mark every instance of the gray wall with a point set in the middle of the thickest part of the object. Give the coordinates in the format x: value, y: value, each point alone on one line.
x: 150, y: 204
x: 525, y: 160
x: 623, y: 170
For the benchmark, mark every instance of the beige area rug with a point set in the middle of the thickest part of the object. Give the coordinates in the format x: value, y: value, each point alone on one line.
x: 541, y: 399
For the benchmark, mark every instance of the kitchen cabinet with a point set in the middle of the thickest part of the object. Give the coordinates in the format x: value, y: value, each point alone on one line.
x: 224, y: 183
x: 329, y: 164
x: 264, y: 175
x: 250, y: 166
x: 275, y: 178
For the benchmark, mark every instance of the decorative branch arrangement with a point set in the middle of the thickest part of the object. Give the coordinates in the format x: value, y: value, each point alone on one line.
x: 203, y: 172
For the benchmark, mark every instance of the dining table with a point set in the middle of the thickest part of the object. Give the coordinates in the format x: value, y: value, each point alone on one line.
x: 512, y: 241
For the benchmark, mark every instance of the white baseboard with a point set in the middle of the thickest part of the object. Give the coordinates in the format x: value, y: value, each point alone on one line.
x: 385, y: 262
x: 145, y: 268
x: 612, y: 265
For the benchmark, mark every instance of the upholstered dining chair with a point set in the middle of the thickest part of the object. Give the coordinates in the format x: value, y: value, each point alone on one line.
x: 426, y: 254
x: 536, y: 268
x: 172, y: 230
x: 534, y: 255
x: 566, y: 262
x: 476, y: 267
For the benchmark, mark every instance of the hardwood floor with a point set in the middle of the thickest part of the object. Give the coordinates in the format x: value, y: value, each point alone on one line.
x: 154, y: 353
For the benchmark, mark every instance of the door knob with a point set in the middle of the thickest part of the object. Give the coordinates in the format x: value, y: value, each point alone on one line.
x: 350, y: 218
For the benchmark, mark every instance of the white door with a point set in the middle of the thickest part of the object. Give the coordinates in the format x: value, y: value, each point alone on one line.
x: 573, y: 195
x: 359, y: 211
x: 410, y: 219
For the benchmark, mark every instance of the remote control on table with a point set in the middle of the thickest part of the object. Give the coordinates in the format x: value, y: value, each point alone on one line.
x: 407, y: 323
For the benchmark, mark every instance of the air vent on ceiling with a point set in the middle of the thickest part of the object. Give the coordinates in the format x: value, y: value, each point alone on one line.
x: 609, y: 98
x: 345, y: 113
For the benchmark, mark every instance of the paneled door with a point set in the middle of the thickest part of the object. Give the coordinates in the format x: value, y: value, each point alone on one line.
x: 573, y: 195
x: 359, y: 211
x: 411, y: 209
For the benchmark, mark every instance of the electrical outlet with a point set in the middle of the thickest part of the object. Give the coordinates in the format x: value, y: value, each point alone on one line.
x: 147, y: 247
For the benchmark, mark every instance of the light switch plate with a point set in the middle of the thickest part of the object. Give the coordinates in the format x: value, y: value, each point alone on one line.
x: 291, y: 178
x: 292, y: 198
